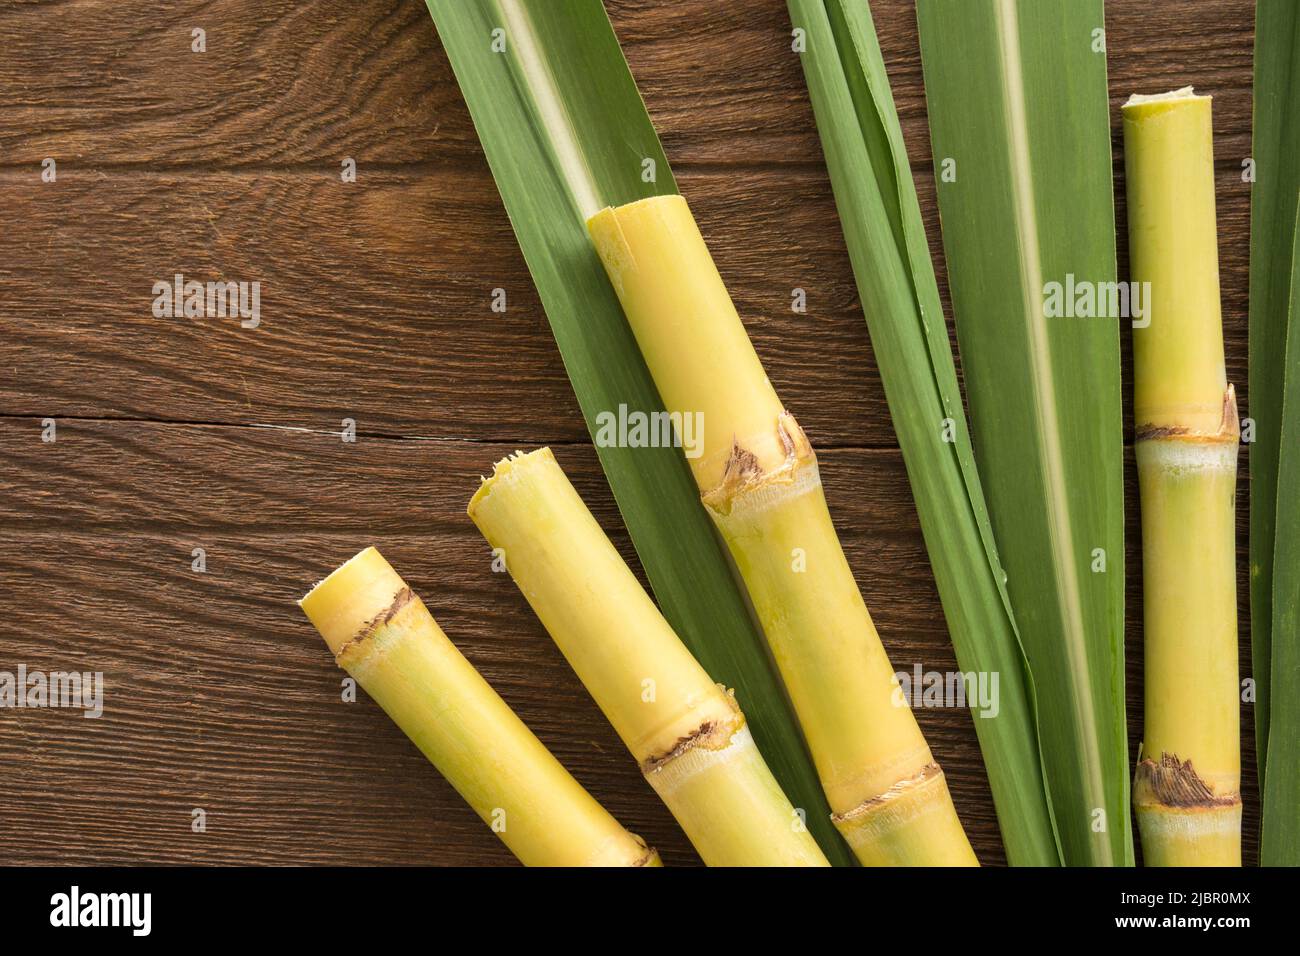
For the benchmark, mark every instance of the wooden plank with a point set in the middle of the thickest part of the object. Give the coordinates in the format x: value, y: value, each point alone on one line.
x: 389, y: 267
x: 294, y: 82
x: 312, y: 81
x: 376, y: 303
x: 219, y: 694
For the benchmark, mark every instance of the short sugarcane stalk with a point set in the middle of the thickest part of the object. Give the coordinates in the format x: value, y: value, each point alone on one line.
x: 687, y: 733
x: 758, y: 479
x: 1187, y: 787
x: 382, y: 634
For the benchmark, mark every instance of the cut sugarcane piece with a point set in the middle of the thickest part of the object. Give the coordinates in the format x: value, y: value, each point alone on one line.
x: 1187, y: 788
x: 686, y: 732
x: 758, y: 478
x: 382, y: 634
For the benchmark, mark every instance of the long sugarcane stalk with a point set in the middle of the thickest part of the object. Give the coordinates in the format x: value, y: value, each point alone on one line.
x: 382, y: 634
x: 758, y: 479
x: 1187, y: 787
x: 687, y: 733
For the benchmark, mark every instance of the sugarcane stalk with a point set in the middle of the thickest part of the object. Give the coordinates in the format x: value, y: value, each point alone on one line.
x: 687, y: 733
x: 1187, y: 786
x: 759, y: 482
x: 382, y: 634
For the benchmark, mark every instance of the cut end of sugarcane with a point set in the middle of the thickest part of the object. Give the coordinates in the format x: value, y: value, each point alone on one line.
x: 509, y: 469
x: 604, y: 226
x: 606, y: 231
x: 1182, y: 93
x: 356, y: 593
x: 1149, y: 104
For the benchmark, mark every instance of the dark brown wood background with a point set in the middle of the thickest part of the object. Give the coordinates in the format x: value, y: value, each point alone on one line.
x: 182, y: 434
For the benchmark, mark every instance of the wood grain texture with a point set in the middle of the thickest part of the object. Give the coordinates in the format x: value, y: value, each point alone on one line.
x: 220, y: 696
x: 298, y: 82
x: 397, y: 273
x: 375, y: 307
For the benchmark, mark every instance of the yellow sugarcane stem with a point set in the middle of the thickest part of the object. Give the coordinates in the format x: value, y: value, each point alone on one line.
x: 759, y: 481
x: 595, y: 609
x: 1178, y: 372
x: 1187, y: 786
x: 383, y: 635
x: 685, y: 731
x: 698, y: 351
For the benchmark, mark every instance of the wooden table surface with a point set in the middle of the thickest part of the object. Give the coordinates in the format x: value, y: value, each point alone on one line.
x: 177, y: 434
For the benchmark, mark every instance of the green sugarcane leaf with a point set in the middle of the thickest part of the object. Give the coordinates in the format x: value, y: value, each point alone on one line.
x: 1019, y: 123
x: 1280, y: 830
x: 566, y: 133
x: 1276, y: 155
x: 881, y: 218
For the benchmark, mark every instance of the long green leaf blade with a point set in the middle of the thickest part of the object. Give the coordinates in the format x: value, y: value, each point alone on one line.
x: 1021, y: 138
x: 881, y: 219
x: 565, y: 133
x: 1276, y: 152
x: 1280, y: 830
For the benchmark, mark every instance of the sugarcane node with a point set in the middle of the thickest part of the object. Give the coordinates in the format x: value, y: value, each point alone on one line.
x: 1175, y: 783
x: 1231, y: 423
x: 650, y: 857
x: 796, y: 444
x: 930, y: 771
x: 744, y: 472
x: 710, y: 735
x: 400, y: 600
x: 1229, y: 430
x: 742, y: 467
